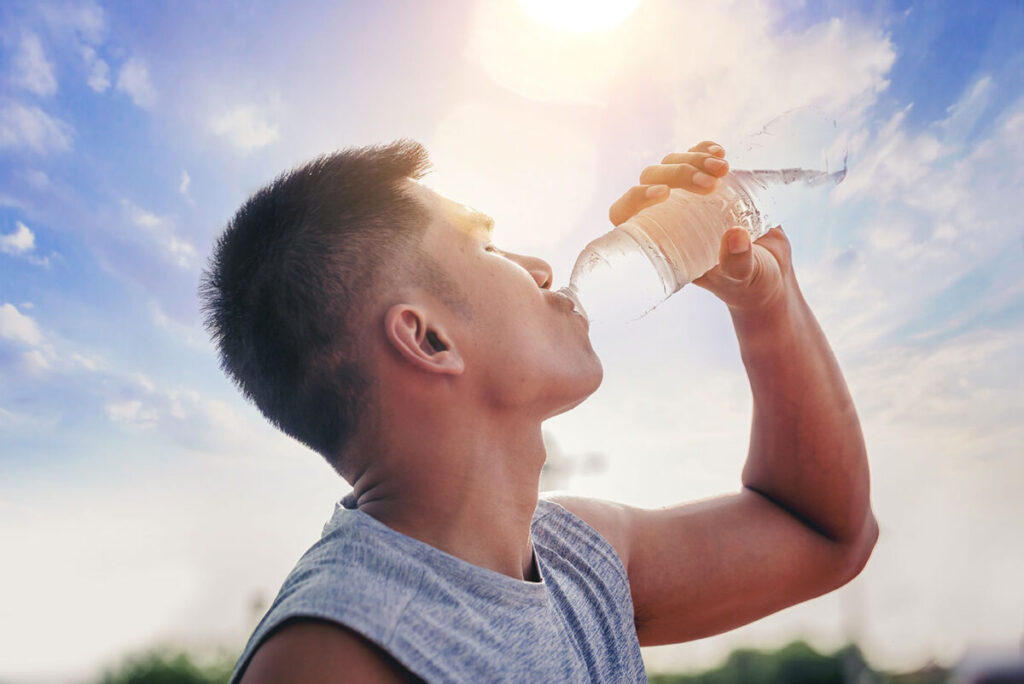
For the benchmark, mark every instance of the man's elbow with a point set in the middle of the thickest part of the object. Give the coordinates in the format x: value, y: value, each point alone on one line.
x: 857, y: 551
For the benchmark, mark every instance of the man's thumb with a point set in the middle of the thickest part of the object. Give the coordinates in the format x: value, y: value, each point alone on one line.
x: 735, y: 255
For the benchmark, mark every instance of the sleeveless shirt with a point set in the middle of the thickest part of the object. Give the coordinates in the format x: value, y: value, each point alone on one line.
x: 447, y: 620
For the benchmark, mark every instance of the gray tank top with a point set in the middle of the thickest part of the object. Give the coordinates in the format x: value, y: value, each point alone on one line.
x: 447, y: 620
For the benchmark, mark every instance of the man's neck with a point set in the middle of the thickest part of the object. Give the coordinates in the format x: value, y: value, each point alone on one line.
x: 470, y: 493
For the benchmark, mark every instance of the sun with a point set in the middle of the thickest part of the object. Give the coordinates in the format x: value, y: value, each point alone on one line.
x: 579, y: 16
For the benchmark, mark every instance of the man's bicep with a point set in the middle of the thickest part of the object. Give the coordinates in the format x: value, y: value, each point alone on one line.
x: 703, y: 568
x: 308, y: 651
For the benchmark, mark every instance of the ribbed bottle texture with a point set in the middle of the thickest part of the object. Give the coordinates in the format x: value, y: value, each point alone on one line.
x: 625, y: 273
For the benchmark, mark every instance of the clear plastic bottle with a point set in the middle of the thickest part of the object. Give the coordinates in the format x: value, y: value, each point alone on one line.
x: 625, y: 273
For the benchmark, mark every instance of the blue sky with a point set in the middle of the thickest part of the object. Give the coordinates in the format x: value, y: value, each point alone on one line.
x: 130, y: 132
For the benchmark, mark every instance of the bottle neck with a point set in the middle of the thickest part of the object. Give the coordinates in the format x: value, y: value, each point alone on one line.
x: 572, y: 294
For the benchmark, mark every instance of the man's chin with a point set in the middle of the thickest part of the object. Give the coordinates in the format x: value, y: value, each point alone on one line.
x: 586, y: 389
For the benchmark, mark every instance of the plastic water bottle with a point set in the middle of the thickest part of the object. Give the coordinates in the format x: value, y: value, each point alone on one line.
x: 627, y: 272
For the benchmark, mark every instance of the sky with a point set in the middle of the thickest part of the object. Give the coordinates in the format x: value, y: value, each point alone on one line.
x: 143, y: 501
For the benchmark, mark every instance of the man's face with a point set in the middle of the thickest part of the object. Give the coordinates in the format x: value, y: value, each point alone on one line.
x: 522, y: 343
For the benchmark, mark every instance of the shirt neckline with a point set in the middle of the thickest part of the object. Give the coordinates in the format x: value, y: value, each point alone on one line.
x: 486, y: 580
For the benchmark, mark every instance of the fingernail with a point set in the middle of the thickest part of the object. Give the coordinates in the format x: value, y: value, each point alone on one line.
x: 656, y: 191
x: 704, y: 180
x: 714, y: 164
x: 717, y: 150
x: 738, y: 243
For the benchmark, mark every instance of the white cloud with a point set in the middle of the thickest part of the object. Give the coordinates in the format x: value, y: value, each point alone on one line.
x: 18, y: 327
x: 14, y: 419
x: 22, y: 240
x: 182, y: 251
x: 186, y: 180
x: 36, y: 353
x: 245, y: 127
x: 132, y: 413
x: 26, y: 127
x: 37, y: 179
x: 839, y: 66
x: 21, y: 243
x: 922, y: 210
x: 146, y: 219
x: 963, y: 115
x: 99, y: 71
x: 80, y: 21
x: 161, y: 230
x: 32, y: 70
x: 85, y: 362
x: 35, y: 361
x: 143, y: 382
x: 181, y: 415
x: 188, y: 334
x: 133, y: 79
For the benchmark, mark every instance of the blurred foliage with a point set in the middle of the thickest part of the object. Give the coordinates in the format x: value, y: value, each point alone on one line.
x: 161, y: 666
x: 798, y: 663
x: 795, y: 663
x: 929, y: 674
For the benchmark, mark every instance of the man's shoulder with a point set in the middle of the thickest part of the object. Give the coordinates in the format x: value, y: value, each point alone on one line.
x: 602, y: 524
x: 317, y: 651
x: 352, y: 579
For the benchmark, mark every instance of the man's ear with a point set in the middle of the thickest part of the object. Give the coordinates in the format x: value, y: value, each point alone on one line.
x: 426, y: 346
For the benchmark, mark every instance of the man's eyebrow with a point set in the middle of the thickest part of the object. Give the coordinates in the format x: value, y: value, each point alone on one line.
x: 487, y: 222
x: 481, y: 221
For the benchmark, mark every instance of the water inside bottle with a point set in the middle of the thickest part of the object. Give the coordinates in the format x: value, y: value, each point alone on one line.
x: 626, y: 273
x: 613, y: 280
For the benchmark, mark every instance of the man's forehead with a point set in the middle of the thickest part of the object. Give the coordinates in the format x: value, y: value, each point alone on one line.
x: 461, y: 215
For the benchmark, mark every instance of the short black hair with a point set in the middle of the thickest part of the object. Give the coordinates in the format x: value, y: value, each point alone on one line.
x: 290, y: 276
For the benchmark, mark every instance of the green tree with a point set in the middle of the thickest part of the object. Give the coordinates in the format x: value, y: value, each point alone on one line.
x: 795, y: 663
x: 163, y: 666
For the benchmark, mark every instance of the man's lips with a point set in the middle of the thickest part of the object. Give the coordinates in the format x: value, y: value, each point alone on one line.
x: 566, y: 302
x: 563, y: 301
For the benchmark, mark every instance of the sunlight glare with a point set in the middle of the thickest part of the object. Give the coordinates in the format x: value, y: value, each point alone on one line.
x: 580, y: 16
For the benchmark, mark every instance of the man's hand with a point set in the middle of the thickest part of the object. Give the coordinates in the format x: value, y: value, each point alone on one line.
x: 745, y: 278
x: 751, y: 278
x: 696, y: 171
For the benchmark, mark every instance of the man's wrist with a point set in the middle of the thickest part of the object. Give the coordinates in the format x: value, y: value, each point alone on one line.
x: 771, y: 323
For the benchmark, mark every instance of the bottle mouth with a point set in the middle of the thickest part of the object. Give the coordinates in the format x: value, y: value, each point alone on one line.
x: 569, y: 292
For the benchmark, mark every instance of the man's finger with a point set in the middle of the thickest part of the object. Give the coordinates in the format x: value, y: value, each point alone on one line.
x: 710, y: 147
x: 636, y: 199
x: 685, y: 176
x: 699, y: 160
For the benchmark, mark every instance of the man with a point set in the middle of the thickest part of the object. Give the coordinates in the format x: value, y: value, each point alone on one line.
x: 374, y: 320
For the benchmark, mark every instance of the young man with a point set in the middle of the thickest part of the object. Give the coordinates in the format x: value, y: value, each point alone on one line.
x: 374, y: 320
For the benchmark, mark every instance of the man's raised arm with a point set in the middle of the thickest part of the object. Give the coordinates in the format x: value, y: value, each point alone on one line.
x: 807, y: 451
x: 802, y: 524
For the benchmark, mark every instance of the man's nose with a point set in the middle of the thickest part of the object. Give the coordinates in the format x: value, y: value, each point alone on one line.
x: 536, y: 267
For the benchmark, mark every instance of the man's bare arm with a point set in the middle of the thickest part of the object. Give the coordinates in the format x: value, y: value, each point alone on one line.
x: 802, y: 525
x: 807, y: 452
x: 313, y: 651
